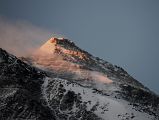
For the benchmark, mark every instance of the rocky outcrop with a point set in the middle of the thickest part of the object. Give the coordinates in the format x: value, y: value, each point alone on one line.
x: 20, y: 90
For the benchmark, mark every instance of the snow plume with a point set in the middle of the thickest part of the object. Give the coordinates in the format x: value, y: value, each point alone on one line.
x: 60, y: 66
x: 93, y: 75
x: 100, y: 77
x: 20, y: 37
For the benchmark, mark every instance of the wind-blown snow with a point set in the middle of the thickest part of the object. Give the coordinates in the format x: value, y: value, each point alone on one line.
x: 100, y: 77
x: 55, y: 63
x: 48, y: 47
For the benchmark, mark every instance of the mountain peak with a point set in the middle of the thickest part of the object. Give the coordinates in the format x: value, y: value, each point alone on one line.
x: 34, y: 93
x: 62, y: 46
x: 62, y: 55
x: 50, y: 45
x: 70, y: 83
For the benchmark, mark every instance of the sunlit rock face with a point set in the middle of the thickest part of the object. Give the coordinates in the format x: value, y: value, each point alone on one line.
x: 61, y: 46
x: 62, y: 55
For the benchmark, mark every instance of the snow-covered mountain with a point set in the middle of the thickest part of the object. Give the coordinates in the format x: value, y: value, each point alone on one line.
x: 60, y: 81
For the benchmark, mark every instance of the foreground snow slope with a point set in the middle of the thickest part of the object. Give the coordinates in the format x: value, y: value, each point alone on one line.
x: 72, y: 97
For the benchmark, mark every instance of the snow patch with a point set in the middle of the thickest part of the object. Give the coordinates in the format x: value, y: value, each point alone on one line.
x: 44, y: 88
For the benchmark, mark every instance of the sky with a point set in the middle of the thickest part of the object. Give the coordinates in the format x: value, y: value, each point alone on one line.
x: 123, y: 32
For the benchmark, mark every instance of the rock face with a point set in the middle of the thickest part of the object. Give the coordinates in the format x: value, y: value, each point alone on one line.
x: 62, y: 82
x: 20, y: 90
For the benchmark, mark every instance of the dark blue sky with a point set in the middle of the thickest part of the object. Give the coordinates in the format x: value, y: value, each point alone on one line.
x: 123, y: 32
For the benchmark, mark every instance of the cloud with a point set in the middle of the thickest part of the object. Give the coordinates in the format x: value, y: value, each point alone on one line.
x: 20, y: 37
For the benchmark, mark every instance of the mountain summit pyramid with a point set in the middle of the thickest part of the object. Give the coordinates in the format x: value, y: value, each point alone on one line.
x: 60, y: 81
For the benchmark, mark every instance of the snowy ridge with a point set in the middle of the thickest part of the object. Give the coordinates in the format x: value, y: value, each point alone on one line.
x: 106, y: 107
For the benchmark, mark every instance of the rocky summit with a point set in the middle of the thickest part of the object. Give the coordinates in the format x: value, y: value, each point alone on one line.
x: 60, y: 81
